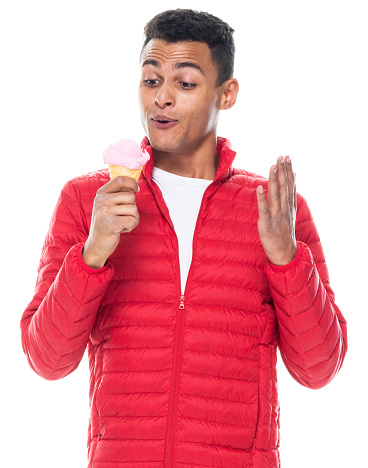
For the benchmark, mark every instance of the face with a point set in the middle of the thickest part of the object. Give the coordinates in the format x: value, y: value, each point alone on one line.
x: 178, y: 97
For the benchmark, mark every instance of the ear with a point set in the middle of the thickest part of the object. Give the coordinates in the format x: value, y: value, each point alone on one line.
x: 230, y: 89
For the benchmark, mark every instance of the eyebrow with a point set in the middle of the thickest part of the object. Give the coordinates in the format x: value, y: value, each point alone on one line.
x: 177, y: 65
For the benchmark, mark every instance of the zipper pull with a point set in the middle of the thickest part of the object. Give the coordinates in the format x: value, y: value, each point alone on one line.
x: 181, y: 306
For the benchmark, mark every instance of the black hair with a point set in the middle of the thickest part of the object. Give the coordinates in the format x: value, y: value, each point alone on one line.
x: 190, y: 25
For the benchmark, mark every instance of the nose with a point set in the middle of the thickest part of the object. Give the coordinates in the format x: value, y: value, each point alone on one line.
x: 164, y: 97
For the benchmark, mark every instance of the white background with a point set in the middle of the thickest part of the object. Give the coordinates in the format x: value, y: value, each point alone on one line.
x: 69, y: 85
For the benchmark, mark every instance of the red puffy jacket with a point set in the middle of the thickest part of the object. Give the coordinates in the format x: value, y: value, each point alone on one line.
x: 183, y: 381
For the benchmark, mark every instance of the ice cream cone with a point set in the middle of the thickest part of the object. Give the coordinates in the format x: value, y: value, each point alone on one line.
x: 116, y: 171
x: 125, y: 158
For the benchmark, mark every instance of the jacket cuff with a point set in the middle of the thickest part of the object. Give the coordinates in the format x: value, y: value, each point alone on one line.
x: 293, y: 277
x: 292, y: 264
x: 84, y: 283
x: 84, y: 266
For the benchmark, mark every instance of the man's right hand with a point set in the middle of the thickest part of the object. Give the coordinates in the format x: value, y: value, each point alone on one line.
x: 114, y: 212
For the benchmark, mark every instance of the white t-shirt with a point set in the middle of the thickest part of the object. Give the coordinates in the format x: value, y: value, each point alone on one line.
x: 183, y: 197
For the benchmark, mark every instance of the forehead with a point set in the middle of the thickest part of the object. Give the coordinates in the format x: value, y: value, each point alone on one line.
x: 186, y: 51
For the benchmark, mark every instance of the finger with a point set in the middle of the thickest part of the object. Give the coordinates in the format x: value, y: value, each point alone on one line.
x: 295, y: 199
x: 283, y: 184
x: 263, y: 207
x: 290, y: 180
x: 115, y: 198
x: 119, y: 224
x: 115, y: 217
x: 274, y: 190
x: 122, y: 210
x: 126, y: 220
x: 118, y: 184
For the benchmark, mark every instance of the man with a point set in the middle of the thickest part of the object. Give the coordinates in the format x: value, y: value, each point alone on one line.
x: 183, y: 286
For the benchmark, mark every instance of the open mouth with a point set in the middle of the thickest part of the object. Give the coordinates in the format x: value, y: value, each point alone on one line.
x: 163, y: 123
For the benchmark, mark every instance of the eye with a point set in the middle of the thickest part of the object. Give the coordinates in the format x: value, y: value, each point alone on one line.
x: 150, y: 82
x: 187, y: 85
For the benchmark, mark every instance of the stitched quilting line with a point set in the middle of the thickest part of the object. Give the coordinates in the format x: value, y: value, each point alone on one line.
x: 224, y: 331
x: 193, y: 465
x: 225, y: 447
x: 187, y: 350
x: 223, y: 400
x: 136, y: 393
x: 217, y: 423
x: 231, y: 379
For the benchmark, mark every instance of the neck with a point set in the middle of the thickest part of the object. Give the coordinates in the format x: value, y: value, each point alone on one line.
x: 199, y: 163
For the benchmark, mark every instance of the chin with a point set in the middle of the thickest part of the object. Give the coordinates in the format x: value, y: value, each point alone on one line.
x: 164, y: 144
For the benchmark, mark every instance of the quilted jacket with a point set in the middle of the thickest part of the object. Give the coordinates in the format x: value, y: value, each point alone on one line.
x: 183, y: 381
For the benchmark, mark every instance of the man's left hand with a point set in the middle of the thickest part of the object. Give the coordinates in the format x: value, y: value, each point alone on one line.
x: 276, y: 223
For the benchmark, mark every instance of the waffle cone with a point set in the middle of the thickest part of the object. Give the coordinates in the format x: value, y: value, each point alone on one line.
x: 116, y: 171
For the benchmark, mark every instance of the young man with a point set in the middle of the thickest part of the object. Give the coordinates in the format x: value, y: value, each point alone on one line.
x: 182, y: 288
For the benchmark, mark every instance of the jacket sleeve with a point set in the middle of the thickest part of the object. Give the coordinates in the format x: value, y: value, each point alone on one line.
x: 312, y: 329
x: 56, y: 325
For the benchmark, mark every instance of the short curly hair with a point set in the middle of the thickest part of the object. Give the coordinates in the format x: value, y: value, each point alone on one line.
x: 190, y: 25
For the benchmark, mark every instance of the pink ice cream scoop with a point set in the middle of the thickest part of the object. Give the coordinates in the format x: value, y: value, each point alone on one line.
x: 125, y: 158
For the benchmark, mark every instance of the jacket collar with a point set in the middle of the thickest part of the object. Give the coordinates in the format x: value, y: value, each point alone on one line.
x: 223, y: 149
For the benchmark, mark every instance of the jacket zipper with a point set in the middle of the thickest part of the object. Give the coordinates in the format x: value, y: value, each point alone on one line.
x: 172, y: 403
x: 178, y: 340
